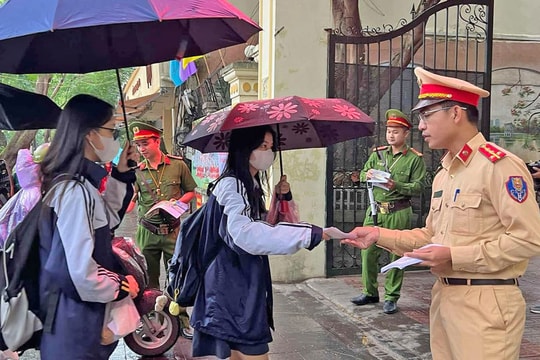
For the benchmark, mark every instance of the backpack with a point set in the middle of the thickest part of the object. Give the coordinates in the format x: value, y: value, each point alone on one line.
x: 197, y: 245
x: 22, y: 320
x: 20, y: 323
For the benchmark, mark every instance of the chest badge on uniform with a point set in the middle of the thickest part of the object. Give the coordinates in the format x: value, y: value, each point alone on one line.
x: 517, y: 188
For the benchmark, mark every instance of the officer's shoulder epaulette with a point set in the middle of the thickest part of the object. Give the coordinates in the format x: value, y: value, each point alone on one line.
x: 492, y: 152
x: 175, y: 157
x: 380, y: 148
x: 416, y: 152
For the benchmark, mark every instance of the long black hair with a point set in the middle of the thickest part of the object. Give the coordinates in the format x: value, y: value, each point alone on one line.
x: 242, y: 143
x: 81, y: 114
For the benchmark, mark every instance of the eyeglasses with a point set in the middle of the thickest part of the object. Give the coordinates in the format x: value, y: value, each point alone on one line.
x: 115, y: 131
x: 423, y: 115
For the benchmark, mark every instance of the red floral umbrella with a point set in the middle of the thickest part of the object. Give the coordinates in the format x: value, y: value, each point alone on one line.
x: 300, y: 122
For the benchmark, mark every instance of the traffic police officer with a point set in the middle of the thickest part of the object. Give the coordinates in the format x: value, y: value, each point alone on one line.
x: 484, y: 219
x: 159, y: 177
x: 408, y: 171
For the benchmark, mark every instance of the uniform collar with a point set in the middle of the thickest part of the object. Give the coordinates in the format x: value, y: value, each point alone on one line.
x: 465, y: 155
x: 164, y: 160
x: 93, y: 172
x: 403, y: 150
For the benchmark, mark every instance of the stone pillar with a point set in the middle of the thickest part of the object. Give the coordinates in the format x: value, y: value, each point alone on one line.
x: 242, y: 77
x: 168, y: 131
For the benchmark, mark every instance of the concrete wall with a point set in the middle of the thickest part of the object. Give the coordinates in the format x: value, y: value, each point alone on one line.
x: 293, y: 61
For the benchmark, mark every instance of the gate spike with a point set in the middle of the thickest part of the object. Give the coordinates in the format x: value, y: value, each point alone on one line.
x: 413, y: 11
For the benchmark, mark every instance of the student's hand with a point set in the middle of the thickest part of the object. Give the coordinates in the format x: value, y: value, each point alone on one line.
x: 128, y: 153
x: 365, y: 237
x: 283, y: 187
x: 536, y: 174
x: 355, y: 177
x: 133, y: 286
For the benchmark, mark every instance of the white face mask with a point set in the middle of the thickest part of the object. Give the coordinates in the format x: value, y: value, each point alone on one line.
x: 110, y: 148
x: 261, y: 159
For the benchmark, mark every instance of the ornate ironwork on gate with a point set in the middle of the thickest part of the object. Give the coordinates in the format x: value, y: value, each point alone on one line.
x: 375, y: 71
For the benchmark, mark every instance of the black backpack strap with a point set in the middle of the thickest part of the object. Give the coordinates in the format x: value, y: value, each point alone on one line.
x: 52, y: 305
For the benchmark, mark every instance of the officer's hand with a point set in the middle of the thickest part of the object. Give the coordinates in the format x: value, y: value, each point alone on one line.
x: 536, y: 174
x: 133, y: 286
x: 365, y: 237
x: 355, y: 177
x: 438, y: 258
x: 369, y: 174
x: 390, y: 184
x: 283, y: 187
x: 128, y: 153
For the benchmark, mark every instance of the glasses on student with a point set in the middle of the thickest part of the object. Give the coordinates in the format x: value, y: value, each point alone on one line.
x: 115, y: 131
x: 423, y: 115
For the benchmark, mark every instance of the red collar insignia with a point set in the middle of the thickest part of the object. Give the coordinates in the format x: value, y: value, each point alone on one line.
x: 465, y: 153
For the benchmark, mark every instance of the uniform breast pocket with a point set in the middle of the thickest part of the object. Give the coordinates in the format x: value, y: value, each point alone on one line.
x: 401, y: 176
x: 435, y: 208
x: 466, y: 214
x: 171, y: 187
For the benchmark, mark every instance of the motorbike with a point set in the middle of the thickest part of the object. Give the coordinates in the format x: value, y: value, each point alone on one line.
x: 157, y: 331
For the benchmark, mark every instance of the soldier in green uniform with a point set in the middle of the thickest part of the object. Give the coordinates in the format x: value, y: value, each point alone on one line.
x: 159, y: 177
x: 408, y: 171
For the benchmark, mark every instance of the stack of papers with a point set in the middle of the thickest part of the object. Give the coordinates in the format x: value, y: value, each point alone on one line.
x: 405, y: 261
x: 174, y: 208
x: 335, y: 233
x: 379, y: 178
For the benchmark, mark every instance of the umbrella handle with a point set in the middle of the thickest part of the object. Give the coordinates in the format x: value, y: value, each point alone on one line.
x: 130, y: 163
x: 279, y: 150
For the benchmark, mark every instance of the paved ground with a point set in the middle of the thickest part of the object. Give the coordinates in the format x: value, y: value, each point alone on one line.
x: 316, y: 321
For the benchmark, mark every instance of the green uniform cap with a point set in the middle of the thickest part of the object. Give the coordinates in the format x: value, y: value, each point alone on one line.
x: 395, y: 117
x: 141, y: 130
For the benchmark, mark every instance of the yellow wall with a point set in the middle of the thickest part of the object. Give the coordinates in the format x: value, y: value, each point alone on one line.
x: 292, y: 53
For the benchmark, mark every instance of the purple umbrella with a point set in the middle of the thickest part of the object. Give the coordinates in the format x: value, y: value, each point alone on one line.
x: 300, y: 123
x: 80, y: 36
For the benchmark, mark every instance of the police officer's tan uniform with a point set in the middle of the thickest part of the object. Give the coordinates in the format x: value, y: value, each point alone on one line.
x: 483, y: 208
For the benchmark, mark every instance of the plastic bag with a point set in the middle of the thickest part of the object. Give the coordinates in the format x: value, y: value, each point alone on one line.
x: 25, y: 199
x: 122, y: 319
x: 282, y: 210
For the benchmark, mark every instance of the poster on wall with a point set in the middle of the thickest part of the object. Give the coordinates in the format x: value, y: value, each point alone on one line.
x: 205, y: 169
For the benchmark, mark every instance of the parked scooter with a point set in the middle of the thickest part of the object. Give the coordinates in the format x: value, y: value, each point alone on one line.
x: 157, y: 331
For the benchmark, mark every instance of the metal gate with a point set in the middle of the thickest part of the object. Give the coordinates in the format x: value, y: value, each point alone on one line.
x: 375, y: 71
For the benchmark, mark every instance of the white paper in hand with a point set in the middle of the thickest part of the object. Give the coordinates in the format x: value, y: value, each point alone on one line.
x: 405, y: 261
x: 380, y: 178
x: 335, y: 233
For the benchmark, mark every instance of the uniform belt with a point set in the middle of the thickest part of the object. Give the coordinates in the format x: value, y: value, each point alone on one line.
x: 454, y: 281
x: 159, y: 229
x: 393, y: 206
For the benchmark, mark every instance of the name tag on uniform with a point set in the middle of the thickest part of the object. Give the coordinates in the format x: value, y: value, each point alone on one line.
x: 437, y: 194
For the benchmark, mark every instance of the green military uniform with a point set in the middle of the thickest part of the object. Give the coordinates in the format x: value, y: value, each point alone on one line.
x: 169, y: 180
x: 408, y: 170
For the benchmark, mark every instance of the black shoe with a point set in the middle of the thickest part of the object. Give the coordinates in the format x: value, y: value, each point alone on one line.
x: 186, y: 333
x: 364, y: 299
x: 390, y: 307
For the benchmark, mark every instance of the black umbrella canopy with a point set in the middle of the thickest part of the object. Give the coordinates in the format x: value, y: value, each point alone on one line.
x: 24, y: 110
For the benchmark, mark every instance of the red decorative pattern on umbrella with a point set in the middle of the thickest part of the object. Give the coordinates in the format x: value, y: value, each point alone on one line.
x: 302, y: 123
